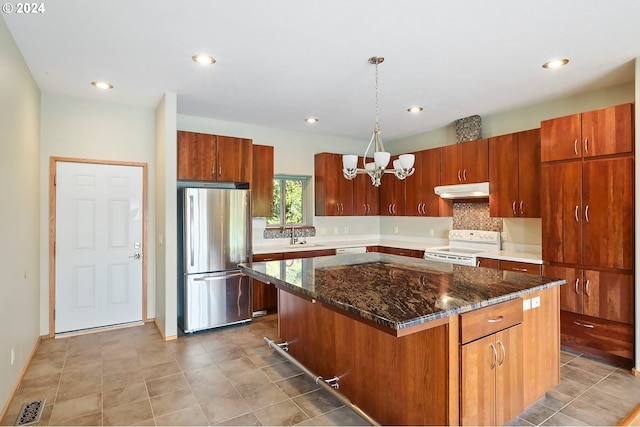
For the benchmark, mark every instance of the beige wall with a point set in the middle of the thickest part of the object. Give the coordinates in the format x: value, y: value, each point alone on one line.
x: 19, y: 213
x: 93, y: 130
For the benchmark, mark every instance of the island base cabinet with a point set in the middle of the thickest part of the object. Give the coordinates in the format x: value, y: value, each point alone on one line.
x: 396, y: 380
x: 492, y: 378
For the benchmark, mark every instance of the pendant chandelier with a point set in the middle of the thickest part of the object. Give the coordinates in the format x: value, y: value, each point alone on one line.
x: 402, y: 167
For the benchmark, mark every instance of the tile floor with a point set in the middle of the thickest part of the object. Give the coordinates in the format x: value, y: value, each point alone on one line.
x: 230, y: 377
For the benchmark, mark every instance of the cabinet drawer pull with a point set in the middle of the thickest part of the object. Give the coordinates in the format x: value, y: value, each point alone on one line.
x: 584, y: 325
x: 495, y: 319
x: 519, y: 269
x: 495, y: 355
x: 575, y: 146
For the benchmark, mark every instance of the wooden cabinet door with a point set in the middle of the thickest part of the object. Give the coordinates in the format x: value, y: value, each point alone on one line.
x: 333, y: 192
x: 366, y: 196
x: 421, y: 199
x: 234, y: 159
x: 571, y: 292
x: 503, y: 176
x: 478, y: 382
x: 608, y: 213
x: 451, y: 168
x: 528, y: 205
x: 509, y: 375
x: 475, y: 161
x: 262, y: 181
x: 561, y: 212
x: 608, y: 295
x: 416, y: 188
x: 197, y: 156
x: 561, y: 138
x: 392, y: 194
x: 607, y: 131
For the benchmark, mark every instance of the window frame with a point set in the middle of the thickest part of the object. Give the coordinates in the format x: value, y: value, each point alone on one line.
x: 280, y: 180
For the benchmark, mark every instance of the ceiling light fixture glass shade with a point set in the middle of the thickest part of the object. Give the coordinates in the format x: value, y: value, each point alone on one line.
x: 402, y: 167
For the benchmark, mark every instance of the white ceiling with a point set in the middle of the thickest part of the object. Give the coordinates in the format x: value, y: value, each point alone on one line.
x: 279, y: 61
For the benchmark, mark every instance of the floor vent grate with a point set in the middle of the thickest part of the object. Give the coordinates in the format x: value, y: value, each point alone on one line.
x: 30, y: 412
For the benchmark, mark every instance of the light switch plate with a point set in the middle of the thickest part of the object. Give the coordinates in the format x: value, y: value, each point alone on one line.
x: 526, y: 304
x: 535, y: 302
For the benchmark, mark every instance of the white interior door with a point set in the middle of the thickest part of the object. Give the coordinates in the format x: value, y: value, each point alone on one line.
x: 98, y: 252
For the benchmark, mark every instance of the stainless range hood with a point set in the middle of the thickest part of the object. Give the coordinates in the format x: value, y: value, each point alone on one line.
x: 476, y: 190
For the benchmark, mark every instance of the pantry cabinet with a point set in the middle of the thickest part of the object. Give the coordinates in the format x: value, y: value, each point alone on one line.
x: 466, y: 162
x: 333, y: 192
x: 594, y: 133
x: 588, y: 212
x: 491, y: 360
x: 262, y: 181
x: 514, y: 175
x: 204, y: 157
x: 587, y: 202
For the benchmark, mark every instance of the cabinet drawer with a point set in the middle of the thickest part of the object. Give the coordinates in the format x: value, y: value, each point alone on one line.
x: 488, y: 263
x: 309, y: 254
x: 268, y: 257
x: 586, y: 333
x: 522, y: 267
x: 484, y: 321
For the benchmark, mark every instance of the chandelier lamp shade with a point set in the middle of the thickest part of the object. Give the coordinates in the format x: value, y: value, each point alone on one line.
x: 402, y: 167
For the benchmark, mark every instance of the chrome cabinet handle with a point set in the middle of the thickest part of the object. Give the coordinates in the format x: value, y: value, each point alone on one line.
x: 586, y: 145
x: 513, y: 207
x: 504, y: 353
x: 576, y: 285
x: 495, y: 355
x: 459, y: 177
x: 495, y: 319
x: 220, y: 170
x: 575, y: 146
x: 464, y: 175
x: 586, y: 287
x: 389, y: 208
x: 584, y: 325
x: 586, y: 213
x: 521, y: 207
x: 519, y: 269
x: 575, y: 214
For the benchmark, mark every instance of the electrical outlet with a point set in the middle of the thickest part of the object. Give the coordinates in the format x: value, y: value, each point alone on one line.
x: 526, y: 305
x: 346, y: 230
x: 535, y: 302
x: 431, y: 232
x: 335, y: 230
x: 13, y: 356
x: 395, y: 230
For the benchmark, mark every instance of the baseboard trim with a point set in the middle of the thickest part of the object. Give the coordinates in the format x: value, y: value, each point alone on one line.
x: 23, y: 371
x: 160, y: 331
x: 632, y: 418
x: 635, y: 372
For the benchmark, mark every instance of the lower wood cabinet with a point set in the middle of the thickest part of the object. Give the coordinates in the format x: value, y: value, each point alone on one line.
x: 491, y: 360
x: 265, y: 295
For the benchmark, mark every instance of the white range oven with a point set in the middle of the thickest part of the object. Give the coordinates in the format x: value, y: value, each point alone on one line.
x: 465, y: 246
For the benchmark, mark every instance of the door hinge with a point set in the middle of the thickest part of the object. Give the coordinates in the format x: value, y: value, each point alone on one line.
x: 54, y: 314
x: 55, y: 180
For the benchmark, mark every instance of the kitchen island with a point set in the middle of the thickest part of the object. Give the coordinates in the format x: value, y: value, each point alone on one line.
x: 408, y: 338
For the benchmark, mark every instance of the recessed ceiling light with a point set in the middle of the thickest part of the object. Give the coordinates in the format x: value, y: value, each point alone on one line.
x: 311, y: 120
x: 102, y: 85
x: 414, y: 109
x: 203, y: 59
x: 555, y: 63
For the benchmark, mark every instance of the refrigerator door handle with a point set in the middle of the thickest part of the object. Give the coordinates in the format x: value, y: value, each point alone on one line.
x: 219, y: 277
x: 191, y: 224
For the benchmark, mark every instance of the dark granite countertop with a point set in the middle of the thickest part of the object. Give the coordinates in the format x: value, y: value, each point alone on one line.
x: 396, y: 291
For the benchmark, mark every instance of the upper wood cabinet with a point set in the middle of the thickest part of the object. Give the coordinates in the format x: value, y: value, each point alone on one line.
x: 421, y: 199
x: 333, y: 192
x: 204, y: 157
x: 392, y: 194
x: 366, y: 196
x: 262, y: 181
x: 514, y: 175
x: 594, y: 133
x: 466, y: 162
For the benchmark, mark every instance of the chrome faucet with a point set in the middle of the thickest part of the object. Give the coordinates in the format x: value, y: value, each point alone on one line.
x: 294, y: 239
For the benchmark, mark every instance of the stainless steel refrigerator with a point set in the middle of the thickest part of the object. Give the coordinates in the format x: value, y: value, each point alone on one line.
x: 215, y: 237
